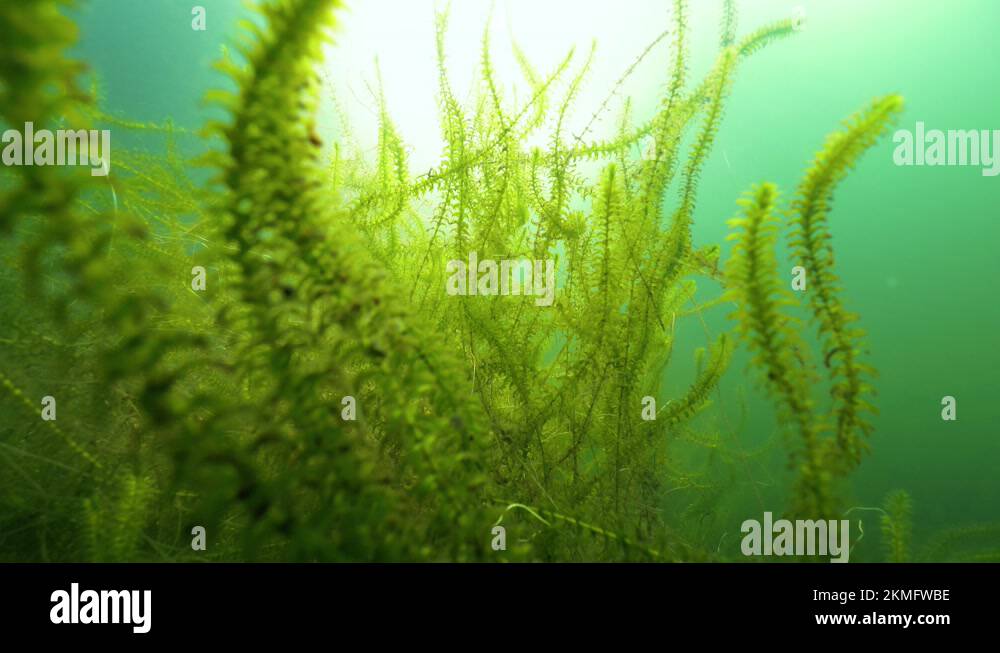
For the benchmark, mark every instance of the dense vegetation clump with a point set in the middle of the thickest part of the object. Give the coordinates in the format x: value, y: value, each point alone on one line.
x: 320, y: 396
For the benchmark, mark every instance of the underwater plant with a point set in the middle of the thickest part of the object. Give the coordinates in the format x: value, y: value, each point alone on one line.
x: 830, y: 444
x: 966, y: 543
x: 897, y: 526
x: 232, y: 407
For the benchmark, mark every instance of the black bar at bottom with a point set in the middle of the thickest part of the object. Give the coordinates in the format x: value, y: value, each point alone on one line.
x: 249, y: 602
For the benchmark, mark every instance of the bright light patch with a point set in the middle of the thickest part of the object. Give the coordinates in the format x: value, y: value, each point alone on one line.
x: 400, y: 34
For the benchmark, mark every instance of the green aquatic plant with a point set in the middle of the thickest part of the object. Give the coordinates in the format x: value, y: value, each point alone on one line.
x: 810, y: 239
x: 966, y: 543
x: 765, y: 321
x: 114, y: 528
x: 963, y: 543
x: 229, y: 407
x: 73, y: 330
x: 773, y: 337
x: 324, y: 316
x: 596, y: 458
x: 896, y: 524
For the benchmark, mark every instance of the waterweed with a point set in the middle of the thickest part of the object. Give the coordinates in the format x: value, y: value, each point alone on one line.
x: 219, y: 408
